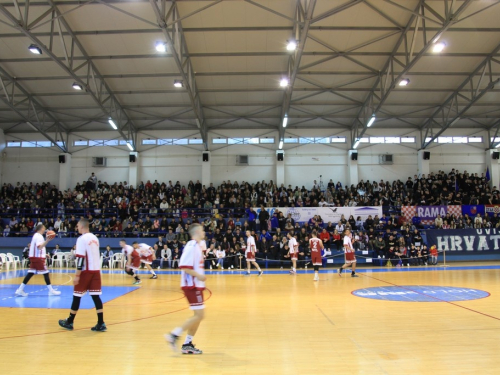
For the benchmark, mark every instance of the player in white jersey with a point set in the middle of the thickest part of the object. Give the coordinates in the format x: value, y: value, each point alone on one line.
x: 131, y: 257
x: 293, y: 251
x: 316, y: 245
x: 38, y: 256
x: 350, y: 258
x: 87, y: 277
x: 147, y: 254
x: 192, y: 283
x: 250, y: 251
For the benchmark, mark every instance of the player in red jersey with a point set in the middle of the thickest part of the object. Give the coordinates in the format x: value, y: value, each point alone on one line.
x: 192, y: 283
x: 37, y: 256
x: 87, y: 277
x: 147, y: 254
x: 293, y: 251
x: 350, y: 258
x: 250, y: 251
x: 316, y: 245
x: 131, y: 257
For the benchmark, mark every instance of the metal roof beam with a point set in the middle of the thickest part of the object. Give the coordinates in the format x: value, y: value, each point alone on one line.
x: 176, y: 42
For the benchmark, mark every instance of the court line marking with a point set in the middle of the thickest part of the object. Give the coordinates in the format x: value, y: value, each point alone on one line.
x: 439, y: 299
x: 326, y: 316
x: 111, y: 324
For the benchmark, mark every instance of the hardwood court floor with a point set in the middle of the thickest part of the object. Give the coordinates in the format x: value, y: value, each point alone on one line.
x: 274, y: 324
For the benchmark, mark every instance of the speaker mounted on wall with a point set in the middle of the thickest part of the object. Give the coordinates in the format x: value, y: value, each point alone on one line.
x: 206, y: 157
x: 132, y: 158
x: 62, y: 159
x: 427, y: 155
x: 280, y: 156
x: 495, y: 155
x: 354, y: 156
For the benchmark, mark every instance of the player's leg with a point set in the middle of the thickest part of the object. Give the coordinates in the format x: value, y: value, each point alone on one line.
x: 258, y: 267
x: 20, y: 291
x: 148, y: 266
x: 294, y: 265
x: 75, y: 305
x: 353, y: 269
x: 52, y: 291
x: 316, y: 272
x: 100, y: 326
x: 249, y: 266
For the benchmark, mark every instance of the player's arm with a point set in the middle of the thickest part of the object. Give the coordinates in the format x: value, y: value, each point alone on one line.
x: 79, y: 259
x: 321, y: 246
x: 129, y: 259
x: 193, y: 273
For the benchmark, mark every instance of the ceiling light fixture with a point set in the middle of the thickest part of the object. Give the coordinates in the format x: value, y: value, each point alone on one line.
x: 77, y: 86
x: 35, y: 49
x: 438, y: 47
x: 112, y: 123
x: 356, y: 144
x: 371, y: 121
x: 284, y: 82
x: 178, y: 83
x: 404, y: 82
x: 285, y: 121
x: 130, y: 147
x: 291, y: 45
x: 161, y: 46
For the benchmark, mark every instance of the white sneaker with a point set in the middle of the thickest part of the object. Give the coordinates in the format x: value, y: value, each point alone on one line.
x: 222, y: 268
x: 21, y: 293
x: 54, y: 292
x: 210, y: 267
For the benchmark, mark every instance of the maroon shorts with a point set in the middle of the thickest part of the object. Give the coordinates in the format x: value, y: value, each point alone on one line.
x: 294, y: 256
x: 350, y: 258
x: 136, y: 263
x: 147, y: 260
x: 250, y: 257
x: 195, y: 298
x: 89, y: 281
x: 38, y: 266
x: 316, y: 258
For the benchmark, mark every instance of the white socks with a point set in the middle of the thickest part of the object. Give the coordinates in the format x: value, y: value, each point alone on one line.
x: 188, y: 340
x: 177, y: 331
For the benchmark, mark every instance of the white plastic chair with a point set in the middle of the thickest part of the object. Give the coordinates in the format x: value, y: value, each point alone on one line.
x: 69, y: 262
x: 25, y: 262
x: 5, y: 261
x: 15, y: 259
x: 59, y: 258
x: 117, y: 258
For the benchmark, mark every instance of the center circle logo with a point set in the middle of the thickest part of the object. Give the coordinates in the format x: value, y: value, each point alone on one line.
x: 421, y: 293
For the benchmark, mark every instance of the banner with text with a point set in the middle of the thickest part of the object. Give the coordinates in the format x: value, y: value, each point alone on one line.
x: 464, y: 240
x: 333, y: 214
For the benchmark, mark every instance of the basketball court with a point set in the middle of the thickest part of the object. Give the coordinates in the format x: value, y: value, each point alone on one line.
x: 386, y: 321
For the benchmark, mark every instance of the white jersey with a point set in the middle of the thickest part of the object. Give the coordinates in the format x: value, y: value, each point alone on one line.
x: 87, y: 247
x: 127, y: 250
x: 348, y: 245
x: 192, y: 259
x: 145, y: 250
x: 293, y: 245
x: 36, y: 241
x: 250, y: 245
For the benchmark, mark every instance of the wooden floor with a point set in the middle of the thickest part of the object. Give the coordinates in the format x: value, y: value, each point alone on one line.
x: 274, y: 324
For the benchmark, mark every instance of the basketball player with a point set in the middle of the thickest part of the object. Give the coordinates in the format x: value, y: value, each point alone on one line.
x: 37, y: 256
x: 87, y: 277
x: 127, y: 252
x: 350, y: 259
x: 293, y: 251
x: 316, y: 245
x: 250, y: 253
x: 147, y: 254
x: 192, y: 283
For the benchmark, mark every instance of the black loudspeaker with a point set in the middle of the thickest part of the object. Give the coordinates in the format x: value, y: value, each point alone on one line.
x: 280, y: 156
x: 495, y: 155
x: 132, y: 158
x: 206, y: 156
x: 62, y: 159
x: 427, y: 155
x: 354, y: 156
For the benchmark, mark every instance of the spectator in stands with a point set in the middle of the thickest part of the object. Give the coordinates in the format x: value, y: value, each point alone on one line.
x: 438, y: 222
x: 6, y: 231
x: 478, y: 221
x: 106, y: 257
x: 325, y: 237
x: 379, y: 247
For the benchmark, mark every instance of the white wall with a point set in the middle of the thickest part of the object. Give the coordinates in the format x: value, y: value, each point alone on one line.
x: 303, y: 163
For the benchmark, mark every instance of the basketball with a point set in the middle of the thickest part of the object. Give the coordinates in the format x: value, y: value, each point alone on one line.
x: 50, y: 234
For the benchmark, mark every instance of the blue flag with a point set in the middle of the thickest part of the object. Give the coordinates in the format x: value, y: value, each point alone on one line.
x: 488, y: 178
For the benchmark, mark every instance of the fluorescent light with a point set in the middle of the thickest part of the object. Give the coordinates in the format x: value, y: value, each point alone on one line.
x: 31, y: 125
x: 281, y: 145
x: 284, y: 82
x: 130, y: 147
x: 285, y: 121
x: 77, y: 86
x: 112, y: 123
x: 404, y: 82
x: 356, y: 144
x: 161, y: 46
x: 178, y: 83
x: 291, y: 45
x: 35, y: 49
x: 438, y: 47
x: 371, y: 121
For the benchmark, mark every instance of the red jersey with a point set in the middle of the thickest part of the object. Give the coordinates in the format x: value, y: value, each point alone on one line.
x: 315, y: 245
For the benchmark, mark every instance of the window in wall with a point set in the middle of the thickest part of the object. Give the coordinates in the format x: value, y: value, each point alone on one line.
x: 195, y: 141
x: 96, y: 142
x: 235, y: 141
x: 180, y: 142
x: 408, y: 140
x: 377, y: 140
x: 290, y: 140
x: 111, y: 142
x: 80, y: 143
x: 445, y: 139
x: 251, y: 141
x: 322, y: 140
x: 364, y: 140
x: 459, y: 139
x: 219, y: 141
x: 149, y: 141
x: 13, y: 144
x: 495, y: 140
x: 60, y: 144
x: 338, y: 140
x: 267, y: 140
x: 475, y: 139
x: 122, y: 142
x: 44, y: 144
x: 306, y: 140
x: 392, y: 140
x: 428, y: 139
x: 28, y: 144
